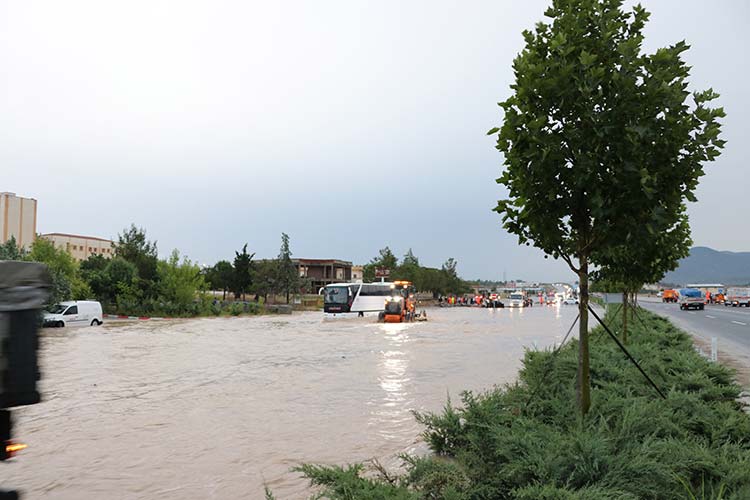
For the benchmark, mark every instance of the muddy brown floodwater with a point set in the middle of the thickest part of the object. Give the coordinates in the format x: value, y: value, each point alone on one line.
x: 216, y: 408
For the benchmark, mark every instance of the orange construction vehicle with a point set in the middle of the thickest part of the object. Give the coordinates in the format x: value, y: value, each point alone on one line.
x: 401, y: 305
x: 669, y: 296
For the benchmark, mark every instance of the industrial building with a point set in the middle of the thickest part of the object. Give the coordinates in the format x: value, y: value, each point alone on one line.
x: 81, y: 247
x: 17, y: 219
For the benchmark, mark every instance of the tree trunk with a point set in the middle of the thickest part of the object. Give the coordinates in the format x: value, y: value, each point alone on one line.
x: 584, y: 376
x: 624, y: 317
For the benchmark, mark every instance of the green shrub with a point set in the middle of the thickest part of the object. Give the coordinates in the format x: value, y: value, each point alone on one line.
x: 526, y: 440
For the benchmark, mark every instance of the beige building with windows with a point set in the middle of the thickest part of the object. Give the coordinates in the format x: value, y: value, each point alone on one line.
x: 81, y: 247
x: 357, y: 274
x: 17, y: 219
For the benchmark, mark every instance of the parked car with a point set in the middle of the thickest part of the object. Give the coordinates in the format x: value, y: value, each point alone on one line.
x: 74, y: 313
x: 570, y: 301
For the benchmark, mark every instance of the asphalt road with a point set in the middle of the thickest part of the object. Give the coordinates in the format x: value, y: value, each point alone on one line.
x: 730, y: 325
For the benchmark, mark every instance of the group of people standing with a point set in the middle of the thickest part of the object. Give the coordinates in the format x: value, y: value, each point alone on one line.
x: 468, y: 301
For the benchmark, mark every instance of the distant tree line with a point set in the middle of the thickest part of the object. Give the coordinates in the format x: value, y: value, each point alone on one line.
x: 443, y: 281
x: 136, y: 282
x: 260, y: 278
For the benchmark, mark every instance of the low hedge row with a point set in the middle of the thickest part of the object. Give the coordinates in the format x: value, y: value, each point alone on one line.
x: 526, y: 440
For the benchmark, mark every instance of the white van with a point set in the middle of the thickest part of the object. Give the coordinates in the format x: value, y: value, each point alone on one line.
x: 75, y: 313
x: 517, y: 300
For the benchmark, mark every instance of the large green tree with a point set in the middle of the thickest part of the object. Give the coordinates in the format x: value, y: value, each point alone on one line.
x: 220, y: 277
x: 645, y: 257
x: 410, y: 270
x: 287, y: 277
x: 133, y: 246
x: 385, y: 260
x: 180, y: 281
x: 11, y: 251
x: 594, y: 132
x: 93, y: 272
x: 243, y: 272
x: 63, y: 269
x: 264, y: 278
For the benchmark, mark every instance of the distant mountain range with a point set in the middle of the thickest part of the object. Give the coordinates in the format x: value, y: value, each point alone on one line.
x: 706, y: 265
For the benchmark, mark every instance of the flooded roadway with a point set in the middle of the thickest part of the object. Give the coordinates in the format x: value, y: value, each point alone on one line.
x: 216, y: 408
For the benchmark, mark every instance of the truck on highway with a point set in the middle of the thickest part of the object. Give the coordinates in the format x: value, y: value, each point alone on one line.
x: 690, y: 298
x: 737, y: 297
x: 669, y: 296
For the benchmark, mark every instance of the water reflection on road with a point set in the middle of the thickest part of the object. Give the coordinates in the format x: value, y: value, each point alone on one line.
x: 215, y: 408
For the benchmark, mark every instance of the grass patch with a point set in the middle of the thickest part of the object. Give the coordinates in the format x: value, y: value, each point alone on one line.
x: 506, y: 444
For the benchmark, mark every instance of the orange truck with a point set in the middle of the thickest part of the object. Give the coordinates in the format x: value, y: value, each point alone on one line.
x: 670, y: 296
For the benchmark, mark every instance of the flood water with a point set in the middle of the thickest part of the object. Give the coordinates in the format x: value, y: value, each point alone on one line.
x: 216, y: 408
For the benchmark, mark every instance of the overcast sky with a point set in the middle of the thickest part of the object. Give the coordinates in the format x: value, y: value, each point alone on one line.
x: 348, y: 125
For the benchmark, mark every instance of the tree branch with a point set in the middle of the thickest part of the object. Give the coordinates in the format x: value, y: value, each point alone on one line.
x: 569, y: 261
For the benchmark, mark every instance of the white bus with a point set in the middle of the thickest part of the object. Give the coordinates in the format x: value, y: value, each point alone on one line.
x: 355, y: 297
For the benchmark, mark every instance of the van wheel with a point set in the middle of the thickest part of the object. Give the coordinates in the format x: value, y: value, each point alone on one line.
x: 60, y: 324
x: 95, y: 322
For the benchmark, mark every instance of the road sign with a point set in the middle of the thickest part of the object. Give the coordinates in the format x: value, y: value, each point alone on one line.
x: 382, y: 272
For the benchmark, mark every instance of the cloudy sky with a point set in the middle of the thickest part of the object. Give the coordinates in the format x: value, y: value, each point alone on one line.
x: 348, y: 125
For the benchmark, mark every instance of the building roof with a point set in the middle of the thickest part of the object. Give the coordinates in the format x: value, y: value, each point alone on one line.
x: 66, y: 235
x: 322, y: 261
x: 14, y: 195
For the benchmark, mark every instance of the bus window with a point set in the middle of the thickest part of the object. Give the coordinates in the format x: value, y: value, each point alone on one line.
x: 336, y: 295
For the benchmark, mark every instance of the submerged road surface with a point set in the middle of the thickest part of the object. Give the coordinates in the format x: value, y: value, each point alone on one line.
x: 216, y: 408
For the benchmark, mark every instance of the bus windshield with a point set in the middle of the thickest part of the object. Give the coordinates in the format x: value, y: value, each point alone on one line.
x: 336, y: 295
